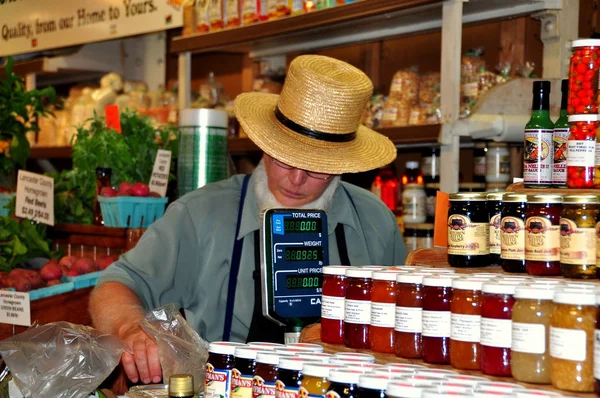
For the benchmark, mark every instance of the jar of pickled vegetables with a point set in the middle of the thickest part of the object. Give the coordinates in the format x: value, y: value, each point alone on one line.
x: 512, y: 226
x: 581, y: 150
x: 409, y: 312
x: 468, y: 230
x: 465, y: 308
x: 332, y: 304
x: 383, y: 311
x: 542, y: 235
x: 572, y: 339
x: 578, y: 236
x: 494, y: 207
x: 583, y: 77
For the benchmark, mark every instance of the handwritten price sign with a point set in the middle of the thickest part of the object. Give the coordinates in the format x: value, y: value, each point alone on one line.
x: 160, y: 173
x: 35, y: 197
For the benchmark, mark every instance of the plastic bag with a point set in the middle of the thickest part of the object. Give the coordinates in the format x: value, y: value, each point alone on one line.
x: 180, y: 348
x: 60, y: 359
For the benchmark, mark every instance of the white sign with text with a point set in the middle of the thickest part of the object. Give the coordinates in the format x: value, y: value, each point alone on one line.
x: 35, y: 197
x: 160, y: 173
x: 15, y: 308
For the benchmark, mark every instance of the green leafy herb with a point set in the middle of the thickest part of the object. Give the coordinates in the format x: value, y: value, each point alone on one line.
x: 21, y: 241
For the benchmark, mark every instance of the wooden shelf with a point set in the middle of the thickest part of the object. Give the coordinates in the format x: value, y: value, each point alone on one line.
x: 51, y: 152
x: 519, y: 188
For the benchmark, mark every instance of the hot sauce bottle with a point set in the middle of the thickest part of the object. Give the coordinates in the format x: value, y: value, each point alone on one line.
x: 537, y: 170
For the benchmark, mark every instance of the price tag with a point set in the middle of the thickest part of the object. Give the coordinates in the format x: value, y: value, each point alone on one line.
x: 14, y: 308
x: 35, y: 197
x: 113, y: 119
x: 160, y: 172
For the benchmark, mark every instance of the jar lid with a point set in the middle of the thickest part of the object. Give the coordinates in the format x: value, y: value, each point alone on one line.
x: 535, y: 393
x: 473, y: 380
x: 544, y: 199
x: 247, y: 352
x: 355, y: 272
x: 349, y: 361
x: 467, y: 283
x: 485, y: 275
x: 386, y: 275
x: 433, y: 185
x: 436, y: 373
x: 592, y: 117
x: 318, y: 369
x: 405, y: 389
x: 495, y: 196
x: 513, y: 278
x: 335, y: 270
x: 440, y: 280
x: 494, y: 394
x: 585, y: 199
x: 573, y: 296
x: 514, y: 197
x: 407, y: 366
x: 535, y: 291
x: 307, y: 347
x: 294, y: 363
x: 437, y: 270
x: 346, y: 376
x: 265, y: 346
x: 423, y: 226
x: 292, y: 350
x: 355, y: 355
x: 468, y: 196
x: 581, y: 285
x: 586, y: 43
x: 181, y: 385
x: 404, y: 268
x: 443, y: 391
x: 499, y: 287
x: 499, y: 386
x: 373, y: 382
x: 224, y: 347
x: 315, y: 356
x: 268, y: 357
x: 413, y: 186
x: 480, y: 144
x: 372, y: 267
x: 471, y: 185
x: 364, y: 367
x: 394, y: 372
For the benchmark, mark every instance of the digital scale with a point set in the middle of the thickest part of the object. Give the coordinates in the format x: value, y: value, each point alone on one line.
x: 294, y: 249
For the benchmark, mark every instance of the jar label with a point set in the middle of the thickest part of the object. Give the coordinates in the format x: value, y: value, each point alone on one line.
x: 479, y: 167
x: 559, y: 171
x: 411, y: 243
x: 495, y: 235
x: 218, y: 382
x: 568, y: 344
x: 431, y: 166
x: 241, y: 384
x: 283, y: 391
x: 529, y: 338
x: 542, y: 240
x: 466, y: 328
x: 467, y: 238
x: 597, y: 354
x: 409, y: 319
x: 496, y: 332
x: 537, y: 168
x: 577, y: 245
x: 332, y: 394
x: 581, y: 153
x: 436, y: 324
x: 598, y: 245
x: 425, y: 243
x: 383, y: 314
x: 413, y: 206
x: 357, y: 311
x: 498, y: 168
x: 512, y: 238
x: 332, y: 307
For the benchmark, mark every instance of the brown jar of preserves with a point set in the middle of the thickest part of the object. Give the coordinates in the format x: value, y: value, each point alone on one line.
x: 542, y: 235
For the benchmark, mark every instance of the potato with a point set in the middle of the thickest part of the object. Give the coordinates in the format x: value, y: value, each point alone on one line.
x: 19, y: 283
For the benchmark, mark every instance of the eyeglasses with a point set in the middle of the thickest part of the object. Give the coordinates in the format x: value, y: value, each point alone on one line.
x: 312, y: 174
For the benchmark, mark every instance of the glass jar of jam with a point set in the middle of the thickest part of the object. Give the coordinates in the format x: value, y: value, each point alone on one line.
x: 542, y: 235
x: 512, y: 227
x: 383, y: 311
x: 344, y: 383
x: 409, y: 315
x: 468, y: 230
x: 243, y: 372
x: 315, y: 379
x: 530, y: 350
x: 265, y: 374
x: 437, y: 293
x: 309, y: 347
x: 289, y: 376
x: 221, y: 360
x: 465, y: 309
x: 357, y: 314
x: 332, y: 304
x: 496, y: 327
x: 572, y: 339
x: 494, y: 208
x: 181, y: 386
x: 583, y: 77
x: 581, y: 150
x: 578, y: 236
x: 372, y: 386
x: 359, y: 356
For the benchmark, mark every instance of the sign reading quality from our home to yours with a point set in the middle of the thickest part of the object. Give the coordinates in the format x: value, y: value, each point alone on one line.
x: 33, y: 25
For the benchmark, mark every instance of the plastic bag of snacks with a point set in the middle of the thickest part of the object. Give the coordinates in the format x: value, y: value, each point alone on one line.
x: 374, y: 112
x: 395, y: 113
x: 429, y: 88
x: 405, y: 86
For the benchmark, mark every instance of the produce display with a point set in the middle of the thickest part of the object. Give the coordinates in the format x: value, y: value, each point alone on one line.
x: 139, y: 189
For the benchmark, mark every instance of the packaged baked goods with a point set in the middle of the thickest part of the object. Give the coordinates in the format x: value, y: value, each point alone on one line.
x: 189, y: 18
x: 215, y: 15
x: 395, y: 114
x: 232, y: 13
x: 202, y: 17
x: 405, y: 86
x: 277, y: 9
x: 429, y: 88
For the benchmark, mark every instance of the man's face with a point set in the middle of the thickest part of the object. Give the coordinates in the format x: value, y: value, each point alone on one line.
x: 293, y: 187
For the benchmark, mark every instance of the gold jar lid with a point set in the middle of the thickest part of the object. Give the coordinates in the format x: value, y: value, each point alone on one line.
x: 468, y: 196
x: 423, y: 226
x: 181, y: 385
x: 495, y: 195
x: 514, y: 197
x: 433, y: 185
x: 497, y: 145
x: 544, y: 199
x: 583, y: 199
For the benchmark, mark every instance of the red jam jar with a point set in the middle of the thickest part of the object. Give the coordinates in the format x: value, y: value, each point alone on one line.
x: 465, y: 351
x: 408, y: 341
x: 357, y: 308
x: 583, y: 77
x: 542, y: 235
x: 496, y: 327
x: 437, y: 294
x: 383, y: 311
x: 332, y: 304
x: 581, y: 151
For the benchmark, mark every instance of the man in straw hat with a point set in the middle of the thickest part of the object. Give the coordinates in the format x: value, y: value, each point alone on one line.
x: 310, y: 135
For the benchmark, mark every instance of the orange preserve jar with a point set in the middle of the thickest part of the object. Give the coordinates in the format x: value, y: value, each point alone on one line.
x: 409, y: 314
x: 465, y: 308
x: 383, y: 311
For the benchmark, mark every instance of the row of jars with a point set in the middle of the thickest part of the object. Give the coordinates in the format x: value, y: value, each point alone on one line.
x: 546, y: 235
x: 257, y: 369
x: 536, y: 330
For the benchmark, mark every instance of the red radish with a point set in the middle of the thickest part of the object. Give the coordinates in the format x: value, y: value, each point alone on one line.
x: 54, y: 282
x: 103, y: 262
x: 17, y: 272
x: 4, y: 279
x: 108, y: 192
x: 72, y: 273
x: 84, y: 266
x: 154, y: 195
x: 51, y: 271
x: 19, y: 283
x: 34, y: 278
x: 67, y: 262
x: 140, y: 189
x: 125, y: 186
x: 128, y: 192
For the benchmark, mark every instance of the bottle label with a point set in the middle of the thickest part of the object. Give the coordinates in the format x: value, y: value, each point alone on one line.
x: 577, y: 245
x: 529, y: 338
x: 241, y: 384
x: 466, y: 237
x: 559, y: 171
x: 283, y: 391
x: 383, y: 314
x: 466, y: 328
x: 332, y: 307
x: 431, y: 166
x: 512, y: 238
x: 413, y: 206
x: 411, y: 243
x: 581, y: 153
x: 357, y: 311
x: 425, y: 243
x: 479, y: 168
x: 496, y: 332
x: 568, y: 344
x: 542, y: 240
x: 495, y: 235
x: 437, y: 324
x: 218, y: 382
x: 537, y: 168
x: 409, y: 319
x: 597, y: 354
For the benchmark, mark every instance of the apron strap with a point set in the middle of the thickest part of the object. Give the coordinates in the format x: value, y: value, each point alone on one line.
x: 340, y: 238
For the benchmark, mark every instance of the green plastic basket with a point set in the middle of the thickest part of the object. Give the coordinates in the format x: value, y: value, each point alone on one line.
x: 4, y: 199
x: 131, y: 211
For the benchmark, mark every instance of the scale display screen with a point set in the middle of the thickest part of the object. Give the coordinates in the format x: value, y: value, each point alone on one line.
x: 295, y: 226
x: 303, y: 254
x: 304, y: 282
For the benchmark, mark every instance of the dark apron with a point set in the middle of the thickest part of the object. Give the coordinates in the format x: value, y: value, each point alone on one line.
x: 262, y: 329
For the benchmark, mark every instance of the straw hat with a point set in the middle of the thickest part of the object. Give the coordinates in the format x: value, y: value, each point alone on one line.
x: 315, y: 123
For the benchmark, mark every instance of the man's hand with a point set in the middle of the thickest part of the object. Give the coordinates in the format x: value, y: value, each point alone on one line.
x: 142, y: 362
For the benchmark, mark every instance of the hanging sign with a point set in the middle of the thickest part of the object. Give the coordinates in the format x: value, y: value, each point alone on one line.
x: 34, y: 25
x: 35, y: 197
x: 160, y: 173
